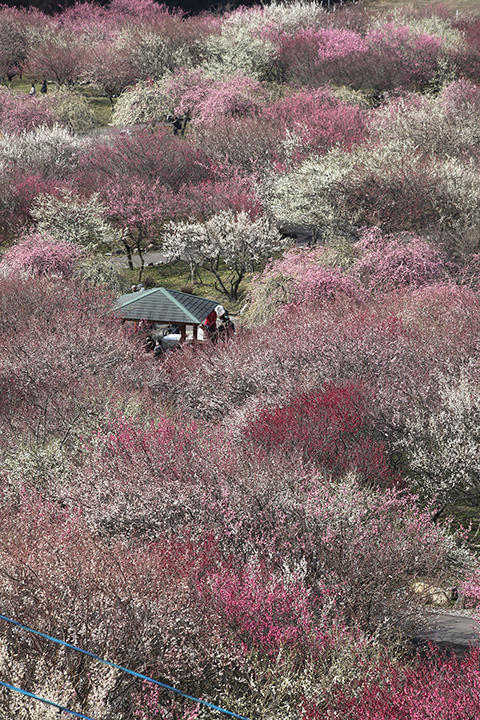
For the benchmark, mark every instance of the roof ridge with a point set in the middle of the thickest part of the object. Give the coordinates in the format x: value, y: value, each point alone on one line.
x: 179, y: 305
x: 144, y: 293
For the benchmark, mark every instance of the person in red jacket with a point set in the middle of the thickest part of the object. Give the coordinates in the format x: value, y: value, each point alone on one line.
x: 210, y: 326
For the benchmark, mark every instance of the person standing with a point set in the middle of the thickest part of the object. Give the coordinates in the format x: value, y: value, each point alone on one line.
x: 32, y: 90
x: 43, y: 89
x: 210, y: 326
x: 226, y: 328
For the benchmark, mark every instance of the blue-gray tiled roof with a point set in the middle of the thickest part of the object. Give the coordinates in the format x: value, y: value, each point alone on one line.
x: 164, y: 306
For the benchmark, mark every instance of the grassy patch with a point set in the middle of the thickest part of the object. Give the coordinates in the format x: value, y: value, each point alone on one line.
x: 102, y: 109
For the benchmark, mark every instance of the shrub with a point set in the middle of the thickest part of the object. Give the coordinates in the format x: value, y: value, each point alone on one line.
x: 47, y: 152
x: 21, y: 113
x: 58, y: 373
x: 439, y: 686
x: 392, y: 262
x: 74, y: 112
x: 398, y: 56
x: 315, y: 57
x: 69, y: 218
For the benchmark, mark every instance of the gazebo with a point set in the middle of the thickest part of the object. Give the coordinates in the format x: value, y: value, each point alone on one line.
x: 163, y: 306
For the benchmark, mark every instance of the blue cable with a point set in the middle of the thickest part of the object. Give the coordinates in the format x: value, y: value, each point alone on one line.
x: 46, y: 702
x: 123, y: 669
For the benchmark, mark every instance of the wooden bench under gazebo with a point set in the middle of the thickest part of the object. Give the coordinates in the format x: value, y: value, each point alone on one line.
x: 166, y: 307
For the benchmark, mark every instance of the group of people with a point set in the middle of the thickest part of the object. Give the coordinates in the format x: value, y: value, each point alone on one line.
x: 224, y: 330
x: 160, y: 341
x: 43, y: 89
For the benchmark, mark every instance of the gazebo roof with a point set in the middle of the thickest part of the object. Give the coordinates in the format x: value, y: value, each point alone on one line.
x: 160, y: 305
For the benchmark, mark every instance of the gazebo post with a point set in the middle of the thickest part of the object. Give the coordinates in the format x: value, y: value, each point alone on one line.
x: 183, y: 333
x: 195, y: 335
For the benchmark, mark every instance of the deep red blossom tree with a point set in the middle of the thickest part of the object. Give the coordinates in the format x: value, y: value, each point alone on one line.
x: 332, y: 428
x: 436, y: 686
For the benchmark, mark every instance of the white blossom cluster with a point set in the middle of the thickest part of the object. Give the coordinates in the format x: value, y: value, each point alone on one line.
x: 240, y: 241
x: 443, y: 446
x: 146, y: 102
x: 72, y: 219
x: 50, y: 151
x: 237, y: 50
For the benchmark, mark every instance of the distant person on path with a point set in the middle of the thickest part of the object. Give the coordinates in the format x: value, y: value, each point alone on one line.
x: 43, y: 89
x: 32, y: 90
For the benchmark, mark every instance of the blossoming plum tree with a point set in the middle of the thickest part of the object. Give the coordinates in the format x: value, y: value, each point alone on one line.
x: 42, y: 254
x: 232, y: 237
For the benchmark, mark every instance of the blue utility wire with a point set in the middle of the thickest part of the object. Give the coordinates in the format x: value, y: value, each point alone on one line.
x: 43, y: 700
x: 123, y: 669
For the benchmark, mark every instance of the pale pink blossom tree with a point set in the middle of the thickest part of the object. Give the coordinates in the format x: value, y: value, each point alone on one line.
x: 42, y: 254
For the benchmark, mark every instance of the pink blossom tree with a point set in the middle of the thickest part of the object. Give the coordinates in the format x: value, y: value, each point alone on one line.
x: 62, y: 58
x: 299, y: 278
x: 42, y: 254
x: 14, y: 43
x: 138, y: 209
x: 314, y: 57
x: 392, y: 262
x: 20, y: 113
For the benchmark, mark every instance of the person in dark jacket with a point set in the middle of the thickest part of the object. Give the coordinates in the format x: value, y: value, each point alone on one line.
x: 177, y: 124
x: 226, y: 328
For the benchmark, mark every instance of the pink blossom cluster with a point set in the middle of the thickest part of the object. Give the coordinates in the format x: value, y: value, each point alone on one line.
x: 388, y: 263
x: 41, y: 254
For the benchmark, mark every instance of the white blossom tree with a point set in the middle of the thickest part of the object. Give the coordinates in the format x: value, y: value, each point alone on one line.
x: 70, y: 219
x: 234, y: 238
x: 442, y: 447
x: 51, y: 152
